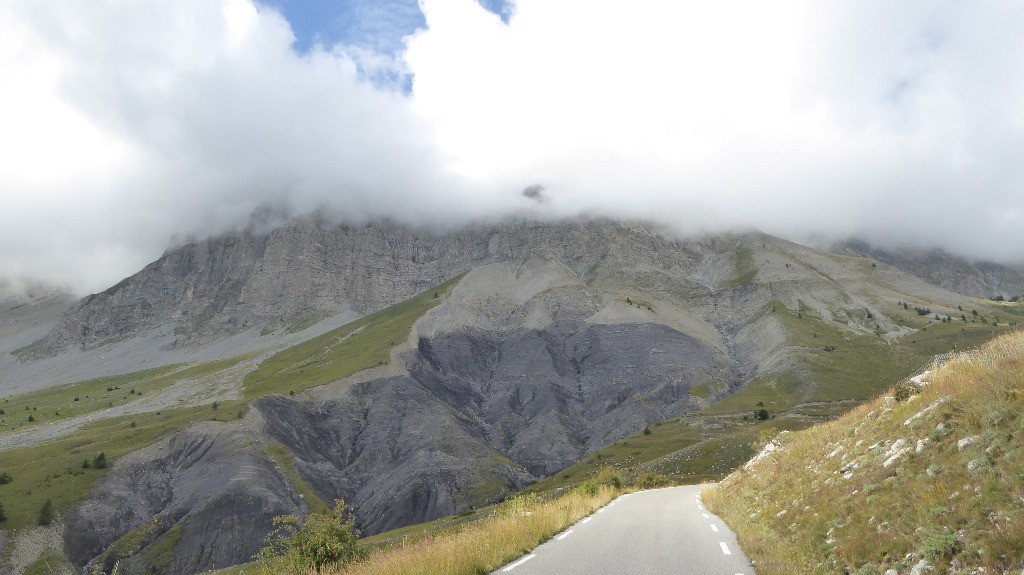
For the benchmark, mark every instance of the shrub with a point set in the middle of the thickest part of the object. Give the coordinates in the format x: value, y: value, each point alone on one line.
x: 647, y: 431
x: 323, y: 539
x: 97, y: 569
x: 101, y: 461
x: 607, y: 476
x: 5, y: 478
x: 761, y: 414
x: 3, y: 514
x: 46, y: 513
x: 941, y: 545
x: 903, y: 391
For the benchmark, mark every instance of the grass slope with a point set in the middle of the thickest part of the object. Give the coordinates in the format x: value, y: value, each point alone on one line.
x: 935, y: 479
x: 78, y: 399
x: 356, y: 346
x: 834, y: 364
x: 54, y: 470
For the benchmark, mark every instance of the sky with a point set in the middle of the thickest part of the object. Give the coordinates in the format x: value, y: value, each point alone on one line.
x: 127, y: 127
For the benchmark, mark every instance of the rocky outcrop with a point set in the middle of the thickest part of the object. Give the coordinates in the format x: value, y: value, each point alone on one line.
x: 310, y: 269
x: 201, y: 498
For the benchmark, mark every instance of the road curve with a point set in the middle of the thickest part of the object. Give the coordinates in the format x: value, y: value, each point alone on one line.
x: 655, y: 532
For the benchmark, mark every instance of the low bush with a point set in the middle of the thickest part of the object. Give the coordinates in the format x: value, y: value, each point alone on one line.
x: 321, y: 540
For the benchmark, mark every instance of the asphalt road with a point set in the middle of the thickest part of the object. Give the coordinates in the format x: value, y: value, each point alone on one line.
x: 654, y: 532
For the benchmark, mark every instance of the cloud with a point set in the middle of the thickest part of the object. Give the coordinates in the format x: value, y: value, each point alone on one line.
x: 127, y: 124
x: 868, y: 118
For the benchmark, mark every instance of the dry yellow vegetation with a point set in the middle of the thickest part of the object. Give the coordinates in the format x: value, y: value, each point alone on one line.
x: 927, y: 479
x: 515, y: 527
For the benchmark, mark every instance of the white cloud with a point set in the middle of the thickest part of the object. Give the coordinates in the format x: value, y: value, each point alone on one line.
x: 128, y: 123
x: 789, y: 116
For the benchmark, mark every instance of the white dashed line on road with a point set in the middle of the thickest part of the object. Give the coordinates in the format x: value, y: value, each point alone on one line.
x: 563, y: 535
x: 725, y: 548
x: 524, y: 560
x: 601, y: 510
x: 714, y: 528
x: 706, y: 516
x: 585, y: 520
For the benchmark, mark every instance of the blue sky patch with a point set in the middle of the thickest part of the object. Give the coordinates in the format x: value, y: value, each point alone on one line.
x: 379, y: 25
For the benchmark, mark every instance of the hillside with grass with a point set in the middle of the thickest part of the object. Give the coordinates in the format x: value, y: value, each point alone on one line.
x: 567, y: 350
x: 928, y: 478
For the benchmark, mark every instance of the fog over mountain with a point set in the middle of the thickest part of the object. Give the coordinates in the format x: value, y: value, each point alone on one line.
x: 127, y: 125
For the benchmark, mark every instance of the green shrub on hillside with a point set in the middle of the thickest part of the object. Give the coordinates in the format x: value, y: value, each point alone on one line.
x: 321, y: 540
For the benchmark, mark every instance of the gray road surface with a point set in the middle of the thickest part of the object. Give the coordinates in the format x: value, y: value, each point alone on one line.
x: 654, y: 532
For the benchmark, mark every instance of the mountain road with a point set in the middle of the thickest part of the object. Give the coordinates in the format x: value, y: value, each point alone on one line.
x: 656, y: 532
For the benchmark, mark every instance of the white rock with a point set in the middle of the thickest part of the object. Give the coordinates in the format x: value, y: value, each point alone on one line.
x: 895, y: 457
x: 921, y: 444
x: 921, y: 379
x: 967, y: 441
x: 921, y: 567
x: 768, y: 449
x: 917, y: 416
x: 896, y: 447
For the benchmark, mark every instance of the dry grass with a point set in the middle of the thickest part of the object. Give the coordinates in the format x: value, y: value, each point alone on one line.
x: 834, y: 498
x: 514, y: 529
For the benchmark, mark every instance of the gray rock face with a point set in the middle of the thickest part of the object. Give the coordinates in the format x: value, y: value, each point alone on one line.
x: 311, y: 269
x: 548, y: 399
x: 203, y: 497
x: 480, y: 414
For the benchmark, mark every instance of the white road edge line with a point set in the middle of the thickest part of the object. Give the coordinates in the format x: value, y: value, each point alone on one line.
x: 601, y: 510
x: 585, y: 520
x: 701, y: 507
x: 524, y: 560
x: 725, y: 548
x: 714, y: 528
x: 706, y: 516
x: 563, y: 535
